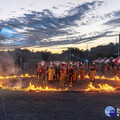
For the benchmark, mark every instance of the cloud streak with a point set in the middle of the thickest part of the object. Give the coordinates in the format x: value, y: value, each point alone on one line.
x: 43, y: 28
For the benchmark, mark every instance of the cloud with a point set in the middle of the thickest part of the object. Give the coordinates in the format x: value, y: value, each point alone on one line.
x: 43, y: 28
x: 22, y: 8
x: 13, y: 11
x: 79, y: 40
x: 115, y: 21
x: 2, y: 38
x: 55, y: 7
x: 31, y: 4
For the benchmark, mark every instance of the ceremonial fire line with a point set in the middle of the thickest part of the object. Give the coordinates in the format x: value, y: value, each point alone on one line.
x: 32, y: 76
x: 15, y: 76
x: 35, y: 88
x: 100, y: 88
x: 104, y: 78
x: 32, y: 88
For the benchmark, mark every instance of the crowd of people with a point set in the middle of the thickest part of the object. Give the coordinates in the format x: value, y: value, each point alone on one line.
x: 64, y: 73
x: 108, y: 69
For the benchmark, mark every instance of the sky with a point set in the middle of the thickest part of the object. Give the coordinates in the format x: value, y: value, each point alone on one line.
x: 56, y: 25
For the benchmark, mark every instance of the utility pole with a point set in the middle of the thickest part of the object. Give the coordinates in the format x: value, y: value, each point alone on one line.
x: 119, y: 45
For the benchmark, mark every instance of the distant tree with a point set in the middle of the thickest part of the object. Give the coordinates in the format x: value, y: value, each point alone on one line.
x: 110, y: 50
x: 45, y: 55
x: 74, y: 51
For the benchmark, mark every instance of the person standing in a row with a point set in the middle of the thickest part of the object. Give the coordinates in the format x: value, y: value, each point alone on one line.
x: 92, y: 73
x: 75, y: 73
x: 39, y: 72
x: 50, y: 75
x: 70, y: 76
x: 82, y: 73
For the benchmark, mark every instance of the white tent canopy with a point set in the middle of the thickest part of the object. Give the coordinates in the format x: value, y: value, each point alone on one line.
x: 109, y: 60
x: 97, y: 61
x: 103, y: 60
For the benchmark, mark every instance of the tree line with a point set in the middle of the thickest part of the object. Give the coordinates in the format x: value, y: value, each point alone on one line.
x: 71, y: 54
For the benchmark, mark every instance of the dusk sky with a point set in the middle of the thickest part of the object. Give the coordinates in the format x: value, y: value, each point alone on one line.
x: 56, y: 25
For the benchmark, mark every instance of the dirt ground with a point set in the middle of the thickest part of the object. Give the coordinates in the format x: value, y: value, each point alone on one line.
x: 69, y: 105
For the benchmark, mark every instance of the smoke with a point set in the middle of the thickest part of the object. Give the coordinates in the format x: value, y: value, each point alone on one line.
x: 8, y: 65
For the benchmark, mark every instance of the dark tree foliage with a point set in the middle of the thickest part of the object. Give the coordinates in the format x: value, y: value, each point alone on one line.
x: 74, y: 54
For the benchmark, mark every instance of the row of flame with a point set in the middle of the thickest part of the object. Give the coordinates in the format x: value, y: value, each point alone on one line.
x: 32, y: 87
x: 102, y: 87
x: 15, y: 76
x: 32, y: 76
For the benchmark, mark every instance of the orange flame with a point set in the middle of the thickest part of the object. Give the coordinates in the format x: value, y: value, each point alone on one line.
x: 10, y: 88
x: 100, y: 88
x: 32, y: 87
x: 15, y: 76
x: 104, y: 78
x: 39, y: 88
